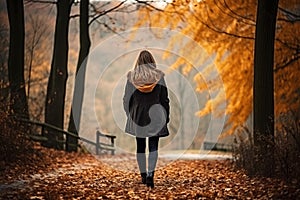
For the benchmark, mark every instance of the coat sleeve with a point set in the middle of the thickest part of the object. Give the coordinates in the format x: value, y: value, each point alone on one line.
x: 127, y: 96
x: 164, y: 99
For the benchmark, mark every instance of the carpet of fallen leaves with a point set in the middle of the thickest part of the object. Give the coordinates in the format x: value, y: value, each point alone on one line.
x: 61, y: 175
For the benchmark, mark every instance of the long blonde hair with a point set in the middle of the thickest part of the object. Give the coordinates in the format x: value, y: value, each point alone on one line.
x: 145, y: 71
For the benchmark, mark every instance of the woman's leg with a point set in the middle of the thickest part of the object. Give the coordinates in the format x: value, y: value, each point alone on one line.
x: 152, y: 160
x: 140, y: 154
x: 153, y: 153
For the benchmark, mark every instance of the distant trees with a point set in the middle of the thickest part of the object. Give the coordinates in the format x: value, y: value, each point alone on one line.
x: 4, y: 51
x: 36, y: 32
x: 38, y: 47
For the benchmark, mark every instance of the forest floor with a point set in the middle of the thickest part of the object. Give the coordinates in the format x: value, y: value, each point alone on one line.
x: 51, y: 174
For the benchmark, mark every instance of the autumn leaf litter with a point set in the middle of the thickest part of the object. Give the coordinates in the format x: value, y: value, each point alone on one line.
x: 61, y: 175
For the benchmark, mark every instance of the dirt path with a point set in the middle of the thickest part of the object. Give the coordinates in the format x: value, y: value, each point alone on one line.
x: 84, y: 177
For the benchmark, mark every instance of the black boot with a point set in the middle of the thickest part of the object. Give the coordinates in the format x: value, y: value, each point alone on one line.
x: 149, y: 180
x: 144, y: 177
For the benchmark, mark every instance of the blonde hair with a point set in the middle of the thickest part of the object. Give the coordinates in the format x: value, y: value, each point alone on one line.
x: 145, y: 71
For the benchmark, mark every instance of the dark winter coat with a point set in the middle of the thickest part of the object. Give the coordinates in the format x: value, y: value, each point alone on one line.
x: 147, y: 108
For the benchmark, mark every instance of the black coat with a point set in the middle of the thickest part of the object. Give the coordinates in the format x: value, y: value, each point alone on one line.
x: 147, y: 111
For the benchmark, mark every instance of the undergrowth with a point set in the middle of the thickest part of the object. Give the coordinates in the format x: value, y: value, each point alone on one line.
x: 286, y: 144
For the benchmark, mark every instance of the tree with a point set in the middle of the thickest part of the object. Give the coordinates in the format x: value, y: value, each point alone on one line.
x: 227, y: 29
x: 35, y: 33
x: 263, y: 93
x: 4, y: 83
x: 18, y: 99
x: 56, y: 89
x: 98, y: 9
x: 85, y: 43
x: 38, y: 47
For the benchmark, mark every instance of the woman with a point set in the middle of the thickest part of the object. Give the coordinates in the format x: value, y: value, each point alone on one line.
x: 146, y: 104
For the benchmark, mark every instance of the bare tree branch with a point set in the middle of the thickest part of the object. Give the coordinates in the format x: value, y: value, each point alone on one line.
x: 106, y: 11
x: 293, y: 46
x: 288, y: 12
x: 218, y: 30
x: 251, y: 21
x: 293, y: 59
x: 288, y: 20
x: 74, y: 16
x: 40, y: 1
x: 108, y: 27
x: 148, y: 4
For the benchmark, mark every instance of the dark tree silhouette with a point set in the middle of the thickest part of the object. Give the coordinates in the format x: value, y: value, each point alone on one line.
x: 56, y: 90
x: 85, y: 43
x: 263, y: 96
x: 18, y: 99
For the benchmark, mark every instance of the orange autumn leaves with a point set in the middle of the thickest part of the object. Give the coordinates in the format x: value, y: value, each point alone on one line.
x: 55, y: 174
x: 226, y: 30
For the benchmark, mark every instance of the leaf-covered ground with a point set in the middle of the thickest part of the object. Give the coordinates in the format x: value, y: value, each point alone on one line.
x: 60, y: 175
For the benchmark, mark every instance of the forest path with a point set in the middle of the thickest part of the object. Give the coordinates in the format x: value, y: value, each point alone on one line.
x: 82, y: 176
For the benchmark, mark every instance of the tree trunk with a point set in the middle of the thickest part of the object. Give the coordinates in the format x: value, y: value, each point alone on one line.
x: 264, y: 87
x: 18, y: 99
x: 85, y: 43
x: 56, y: 90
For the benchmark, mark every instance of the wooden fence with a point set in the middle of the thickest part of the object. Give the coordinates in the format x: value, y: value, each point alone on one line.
x: 99, y: 145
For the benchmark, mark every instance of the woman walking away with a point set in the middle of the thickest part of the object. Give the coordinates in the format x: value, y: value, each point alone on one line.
x: 146, y: 104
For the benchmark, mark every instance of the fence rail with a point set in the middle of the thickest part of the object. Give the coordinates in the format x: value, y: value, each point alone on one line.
x: 217, y: 146
x: 99, y: 146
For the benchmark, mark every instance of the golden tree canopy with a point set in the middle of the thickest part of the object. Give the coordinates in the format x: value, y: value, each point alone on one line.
x: 226, y: 28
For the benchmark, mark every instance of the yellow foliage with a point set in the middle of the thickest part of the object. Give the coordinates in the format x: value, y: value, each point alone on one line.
x: 227, y: 30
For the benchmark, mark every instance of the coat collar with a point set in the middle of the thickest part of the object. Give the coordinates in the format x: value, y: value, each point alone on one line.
x: 143, y: 86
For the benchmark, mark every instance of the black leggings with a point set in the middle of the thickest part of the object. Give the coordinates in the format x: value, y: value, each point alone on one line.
x: 141, y: 155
